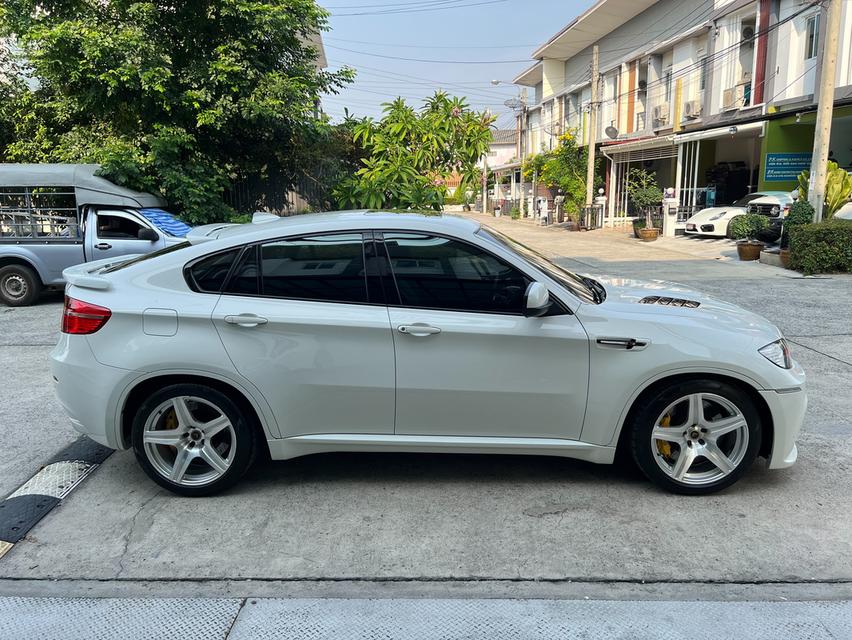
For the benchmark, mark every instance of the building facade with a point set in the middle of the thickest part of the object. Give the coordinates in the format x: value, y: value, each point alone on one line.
x: 717, y: 97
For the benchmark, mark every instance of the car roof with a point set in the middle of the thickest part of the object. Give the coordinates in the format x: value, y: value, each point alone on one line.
x: 343, y: 221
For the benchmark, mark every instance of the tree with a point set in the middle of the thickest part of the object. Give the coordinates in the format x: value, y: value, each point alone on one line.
x: 174, y: 96
x: 410, y: 154
x: 838, y: 188
x: 564, y: 168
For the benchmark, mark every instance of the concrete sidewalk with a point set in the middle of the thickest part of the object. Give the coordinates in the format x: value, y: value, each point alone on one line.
x: 425, y: 619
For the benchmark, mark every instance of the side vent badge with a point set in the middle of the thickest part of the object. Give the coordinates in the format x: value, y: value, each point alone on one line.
x: 670, y: 302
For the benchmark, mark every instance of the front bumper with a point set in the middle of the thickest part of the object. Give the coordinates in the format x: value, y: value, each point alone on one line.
x: 85, y: 388
x: 788, y: 408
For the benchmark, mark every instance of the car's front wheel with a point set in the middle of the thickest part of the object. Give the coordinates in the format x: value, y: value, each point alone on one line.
x: 193, y: 439
x: 696, y: 437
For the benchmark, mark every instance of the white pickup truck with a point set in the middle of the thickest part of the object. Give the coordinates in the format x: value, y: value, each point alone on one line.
x: 53, y: 216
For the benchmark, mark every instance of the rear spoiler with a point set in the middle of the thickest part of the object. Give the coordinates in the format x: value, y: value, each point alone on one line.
x: 87, y: 275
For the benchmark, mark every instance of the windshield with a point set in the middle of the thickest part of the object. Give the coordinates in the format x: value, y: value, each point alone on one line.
x: 146, y: 256
x: 742, y: 202
x: 166, y: 222
x: 587, y: 289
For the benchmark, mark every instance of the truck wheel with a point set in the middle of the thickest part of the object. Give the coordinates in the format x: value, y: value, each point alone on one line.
x: 19, y: 285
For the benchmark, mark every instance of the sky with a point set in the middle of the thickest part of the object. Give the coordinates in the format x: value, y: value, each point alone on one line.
x: 466, y: 43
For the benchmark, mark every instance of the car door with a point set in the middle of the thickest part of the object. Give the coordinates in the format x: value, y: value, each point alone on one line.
x: 298, y: 321
x: 468, y: 362
x: 111, y: 233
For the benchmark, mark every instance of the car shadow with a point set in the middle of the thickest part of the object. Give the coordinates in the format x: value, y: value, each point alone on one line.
x: 403, y: 468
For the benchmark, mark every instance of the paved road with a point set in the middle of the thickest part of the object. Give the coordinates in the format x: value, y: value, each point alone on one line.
x: 429, y: 525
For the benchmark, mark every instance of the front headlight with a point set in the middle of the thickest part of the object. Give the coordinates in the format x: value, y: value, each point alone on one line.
x: 718, y: 215
x: 778, y: 353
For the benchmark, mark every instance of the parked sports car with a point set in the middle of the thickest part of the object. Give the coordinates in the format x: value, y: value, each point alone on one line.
x: 714, y: 221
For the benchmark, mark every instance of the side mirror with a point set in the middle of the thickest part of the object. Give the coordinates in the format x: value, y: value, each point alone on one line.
x: 148, y: 234
x: 536, y: 300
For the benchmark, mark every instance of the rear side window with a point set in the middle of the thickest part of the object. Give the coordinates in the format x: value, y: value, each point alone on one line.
x: 328, y: 268
x: 439, y: 273
x: 208, y: 275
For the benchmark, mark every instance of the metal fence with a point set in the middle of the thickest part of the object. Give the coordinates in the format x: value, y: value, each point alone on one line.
x: 592, y: 217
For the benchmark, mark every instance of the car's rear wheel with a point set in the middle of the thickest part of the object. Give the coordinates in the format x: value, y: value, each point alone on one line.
x: 193, y: 439
x: 20, y: 286
x: 696, y: 437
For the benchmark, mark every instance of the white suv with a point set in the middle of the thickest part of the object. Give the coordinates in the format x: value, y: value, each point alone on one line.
x: 366, y: 331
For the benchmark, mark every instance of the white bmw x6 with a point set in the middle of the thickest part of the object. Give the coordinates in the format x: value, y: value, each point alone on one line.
x: 368, y: 331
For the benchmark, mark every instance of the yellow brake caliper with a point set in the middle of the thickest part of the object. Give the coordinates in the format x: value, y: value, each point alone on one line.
x: 664, y: 446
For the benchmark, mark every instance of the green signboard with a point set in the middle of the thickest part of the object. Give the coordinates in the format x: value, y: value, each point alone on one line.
x: 785, y: 167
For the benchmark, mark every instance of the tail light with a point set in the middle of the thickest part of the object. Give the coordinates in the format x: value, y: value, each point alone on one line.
x: 82, y: 318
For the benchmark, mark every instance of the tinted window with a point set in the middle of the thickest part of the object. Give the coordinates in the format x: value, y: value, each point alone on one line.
x: 440, y: 273
x: 209, y: 274
x: 328, y: 267
x: 245, y: 278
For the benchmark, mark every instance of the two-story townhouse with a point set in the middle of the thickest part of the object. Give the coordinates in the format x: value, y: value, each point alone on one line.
x: 695, y: 90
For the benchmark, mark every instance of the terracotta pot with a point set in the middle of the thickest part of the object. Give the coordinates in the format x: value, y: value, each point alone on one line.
x: 784, y: 254
x: 648, y: 234
x: 749, y: 250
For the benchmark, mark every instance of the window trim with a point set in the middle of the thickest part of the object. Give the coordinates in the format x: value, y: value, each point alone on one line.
x: 190, y: 280
x: 120, y: 213
x: 558, y: 307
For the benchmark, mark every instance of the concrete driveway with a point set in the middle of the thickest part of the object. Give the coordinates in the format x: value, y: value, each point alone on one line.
x: 461, y: 525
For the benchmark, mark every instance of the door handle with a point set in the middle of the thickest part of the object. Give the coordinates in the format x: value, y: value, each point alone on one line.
x: 418, y: 329
x: 628, y: 344
x: 246, y: 320
x: 103, y: 246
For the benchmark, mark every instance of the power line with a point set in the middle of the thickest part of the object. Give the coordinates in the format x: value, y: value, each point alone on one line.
x: 379, y: 55
x: 430, y: 46
x: 447, y: 4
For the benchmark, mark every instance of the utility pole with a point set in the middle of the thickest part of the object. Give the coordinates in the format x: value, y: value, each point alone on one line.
x: 593, y: 125
x: 822, y: 135
x: 485, y: 175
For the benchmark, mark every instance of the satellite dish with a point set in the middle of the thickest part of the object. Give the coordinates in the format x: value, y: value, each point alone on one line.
x: 643, y: 84
x: 611, y: 131
x: 748, y: 33
x: 514, y: 104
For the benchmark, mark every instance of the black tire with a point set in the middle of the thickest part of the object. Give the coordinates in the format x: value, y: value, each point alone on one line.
x: 20, y: 286
x: 245, y: 438
x: 646, y: 452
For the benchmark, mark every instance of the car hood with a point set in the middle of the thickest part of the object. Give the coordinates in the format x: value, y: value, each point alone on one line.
x: 684, y: 307
x: 705, y: 214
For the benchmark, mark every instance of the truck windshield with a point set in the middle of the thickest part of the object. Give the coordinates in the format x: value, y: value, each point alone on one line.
x: 166, y: 222
x: 585, y: 288
x: 146, y: 256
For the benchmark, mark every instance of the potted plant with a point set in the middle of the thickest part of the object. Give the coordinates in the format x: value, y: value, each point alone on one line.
x: 644, y: 192
x: 800, y: 213
x: 745, y: 229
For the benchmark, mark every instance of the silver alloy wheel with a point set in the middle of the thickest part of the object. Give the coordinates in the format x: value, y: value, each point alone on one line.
x: 700, y: 439
x: 15, y: 286
x: 189, y: 440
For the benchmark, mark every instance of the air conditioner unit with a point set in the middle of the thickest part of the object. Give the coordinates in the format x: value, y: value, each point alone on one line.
x: 692, y: 109
x: 733, y: 98
x: 661, y: 114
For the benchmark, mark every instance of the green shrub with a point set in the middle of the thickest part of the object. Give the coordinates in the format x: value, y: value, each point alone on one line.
x: 825, y: 247
x: 515, y: 213
x: 802, y: 212
x: 748, y: 226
